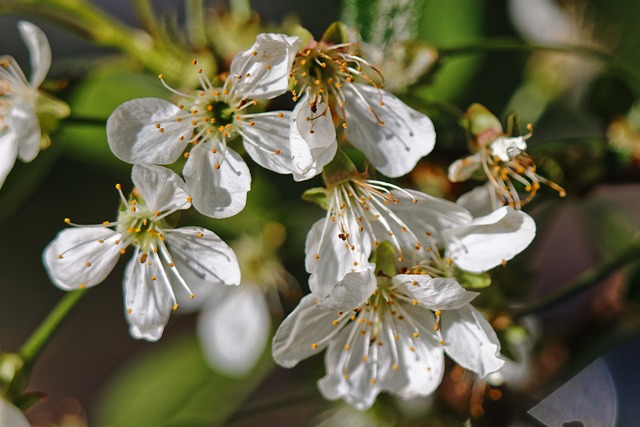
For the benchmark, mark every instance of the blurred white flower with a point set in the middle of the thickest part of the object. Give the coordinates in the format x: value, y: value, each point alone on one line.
x: 234, y: 325
x: 21, y: 102
x: 152, y: 130
x: 388, y: 334
x: 10, y: 416
x: 83, y: 256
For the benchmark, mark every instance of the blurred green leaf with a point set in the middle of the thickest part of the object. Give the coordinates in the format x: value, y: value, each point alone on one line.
x: 445, y: 23
x: 93, y: 100
x: 173, y: 386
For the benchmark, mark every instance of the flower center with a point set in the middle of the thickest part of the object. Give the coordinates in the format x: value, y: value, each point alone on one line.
x: 138, y: 226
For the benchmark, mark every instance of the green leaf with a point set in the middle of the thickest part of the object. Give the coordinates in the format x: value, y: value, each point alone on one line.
x: 92, y: 102
x: 173, y: 386
x: 448, y: 23
x: 473, y: 280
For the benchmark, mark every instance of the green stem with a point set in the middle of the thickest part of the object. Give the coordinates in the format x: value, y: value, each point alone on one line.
x: 509, y: 45
x: 93, y: 23
x: 89, y: 121
x: 39, y: 338
x: 583, y: 282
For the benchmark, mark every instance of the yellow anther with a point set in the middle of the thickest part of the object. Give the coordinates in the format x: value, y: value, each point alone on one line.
x: 175, y: 307
x: 314, y: 345
x: 200, y: 235
x: 436, y: 328
x: 277, y: 152
x: 67, y: 220
x: 414, y: 302
x: 280, y: 114
x: 217, y: 166
x: 438, y: 313
x: 153, y: 278
x: 88, y: 264
x: 82, y: 286
x: 105, y: 223
x: 372, y: 380
x: 129, y: 311
x: 189, y: 199
x: 365, y: 358
x: 192, y: 296
x: 441, y: 342
x: 60, y: 256
x: 416, y: 334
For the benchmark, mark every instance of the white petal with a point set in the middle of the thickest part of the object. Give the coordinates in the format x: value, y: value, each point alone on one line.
x: 148, y: 298
x: 10, y: 416
x: 134, y: 137
x: 435, y: 294
x: 490, y: 240
x: 39, y: 51
x: 204, y: 291
x: 264, y: 75
x: 462, y: 169
x: 351, y: 292
x: 357, y: 389
x: 85, y: 261
x: 424, y: 365
x: 8, y: 154
x: 395, y: 147
x: 205, y: 254
x: 428, y: 213
x: 480, y: 201
x: 329, y: 258
x: 317, y: 132
x: 470, y: 340
x: 268, y: 143
x: 161, y: 188
x: 23, y: 120
x: 234, y: 331
x: 508, y: 148
x: 306, y: 325
x: 218, y: 182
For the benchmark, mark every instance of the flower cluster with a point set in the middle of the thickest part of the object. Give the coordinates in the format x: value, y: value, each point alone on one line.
x: 386, y: 300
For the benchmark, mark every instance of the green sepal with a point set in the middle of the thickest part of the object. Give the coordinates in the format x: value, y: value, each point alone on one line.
x: 385, y: 259
x: 513, y: 124
x: 337, y: 33
x: 472, y: 280
x: 317, y: 195
x: 305, y: 36
x: 339, y: 169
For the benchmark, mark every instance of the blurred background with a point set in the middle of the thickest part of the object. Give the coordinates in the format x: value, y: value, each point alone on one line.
x: 586, y: 118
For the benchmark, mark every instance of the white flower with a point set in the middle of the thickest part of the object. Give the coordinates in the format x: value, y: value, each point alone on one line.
x: 234, y: 324
x: 10, y: 416
x: 83, y: 256
x: 388, y: 334
x: 331, y: 79
x: 152, y: 130
x: 363, y: 213
x: 21, y: 102
x: 506, y: 164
